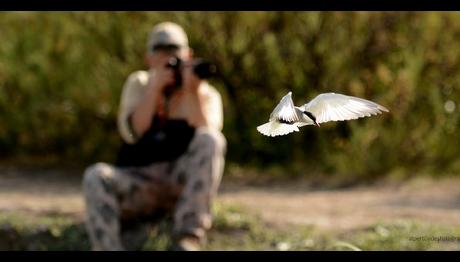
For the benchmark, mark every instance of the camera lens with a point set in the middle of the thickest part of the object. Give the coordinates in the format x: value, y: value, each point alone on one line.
x: 173, y: 62
x: 204, y: 69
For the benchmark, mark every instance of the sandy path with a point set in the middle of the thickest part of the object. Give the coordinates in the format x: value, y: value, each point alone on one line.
x: 423, y: 199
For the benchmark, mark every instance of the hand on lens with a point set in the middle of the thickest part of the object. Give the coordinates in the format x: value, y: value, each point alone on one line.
x: 191, y: 81
x: 162, y: 77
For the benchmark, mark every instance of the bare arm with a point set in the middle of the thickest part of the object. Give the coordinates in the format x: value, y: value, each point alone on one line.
x: 196, y: 101
x: 141, y: 118
x: 205, y: 104
x: 197, y: 108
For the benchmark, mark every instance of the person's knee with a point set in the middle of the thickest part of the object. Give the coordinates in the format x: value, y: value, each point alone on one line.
x: 211, y: 139
x: 94, y: 175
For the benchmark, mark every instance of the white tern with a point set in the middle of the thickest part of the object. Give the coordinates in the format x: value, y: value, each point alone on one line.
x: 287, y: 118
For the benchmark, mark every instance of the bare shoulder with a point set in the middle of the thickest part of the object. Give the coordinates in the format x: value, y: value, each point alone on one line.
x: 210, y: 91
x: 139, y: 78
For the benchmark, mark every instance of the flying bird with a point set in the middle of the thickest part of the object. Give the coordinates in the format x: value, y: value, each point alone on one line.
x: 287, y: 118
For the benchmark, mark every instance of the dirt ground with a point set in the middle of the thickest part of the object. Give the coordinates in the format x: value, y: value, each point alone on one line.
x: 297, y: 203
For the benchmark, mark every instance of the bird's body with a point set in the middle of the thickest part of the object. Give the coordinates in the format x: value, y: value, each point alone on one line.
x: 287, y: 118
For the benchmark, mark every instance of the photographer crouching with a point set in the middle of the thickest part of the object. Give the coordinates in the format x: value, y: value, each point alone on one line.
x: 172, y: 158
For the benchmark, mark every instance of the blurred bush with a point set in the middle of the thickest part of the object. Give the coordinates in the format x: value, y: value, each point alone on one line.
x: 61, y: 75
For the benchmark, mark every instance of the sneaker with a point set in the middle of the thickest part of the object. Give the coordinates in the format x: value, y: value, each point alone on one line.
x: 188, y: 243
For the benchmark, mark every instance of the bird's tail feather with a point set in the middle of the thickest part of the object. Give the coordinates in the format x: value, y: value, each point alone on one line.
x: 275, y: 128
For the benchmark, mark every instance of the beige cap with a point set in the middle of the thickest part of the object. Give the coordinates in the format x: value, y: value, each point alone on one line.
x: 167, y: 33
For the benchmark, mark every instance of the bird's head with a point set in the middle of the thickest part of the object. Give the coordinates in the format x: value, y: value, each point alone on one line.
x: 312, y: 117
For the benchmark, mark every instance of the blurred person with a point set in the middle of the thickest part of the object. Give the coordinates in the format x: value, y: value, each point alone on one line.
x: 172, y: 159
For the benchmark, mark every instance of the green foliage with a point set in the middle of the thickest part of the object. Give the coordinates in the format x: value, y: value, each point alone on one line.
x: 20, y: 231
x: 405, y: 235
x: 235, y: 228
x: 61, y: 75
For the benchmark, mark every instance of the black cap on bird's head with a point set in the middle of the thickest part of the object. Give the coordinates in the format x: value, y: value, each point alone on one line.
x: 312, y: 117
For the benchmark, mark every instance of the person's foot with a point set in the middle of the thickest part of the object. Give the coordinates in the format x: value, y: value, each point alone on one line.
x: 188, y: 243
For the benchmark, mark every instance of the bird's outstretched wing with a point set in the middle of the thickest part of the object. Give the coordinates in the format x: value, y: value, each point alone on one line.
x: 337, y: 107
x: 275, y: 128
x: 285, y: 110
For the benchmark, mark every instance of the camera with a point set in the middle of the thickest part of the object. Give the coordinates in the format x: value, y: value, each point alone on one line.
x: 201, y: 67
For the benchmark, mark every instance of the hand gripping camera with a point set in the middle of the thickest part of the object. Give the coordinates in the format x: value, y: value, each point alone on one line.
x: 201, y: 67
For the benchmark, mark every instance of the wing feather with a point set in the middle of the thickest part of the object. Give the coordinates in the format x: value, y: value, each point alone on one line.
x: 285, y: 110
x: 337, y: 107
x: 275, y: 128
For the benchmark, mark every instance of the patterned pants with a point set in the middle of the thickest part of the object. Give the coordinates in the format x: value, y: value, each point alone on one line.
x: 184, y: 187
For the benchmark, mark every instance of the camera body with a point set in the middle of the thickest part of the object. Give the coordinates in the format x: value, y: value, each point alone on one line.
x: 201, y: 67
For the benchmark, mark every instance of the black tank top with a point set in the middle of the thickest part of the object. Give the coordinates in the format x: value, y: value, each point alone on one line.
x: 165, y: 140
